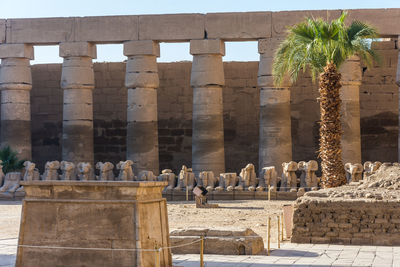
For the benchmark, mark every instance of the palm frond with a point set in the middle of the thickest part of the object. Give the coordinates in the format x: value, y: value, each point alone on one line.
x: 313, y: 43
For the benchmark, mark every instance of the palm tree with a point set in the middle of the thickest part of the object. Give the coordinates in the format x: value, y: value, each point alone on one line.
x: 321, y: 47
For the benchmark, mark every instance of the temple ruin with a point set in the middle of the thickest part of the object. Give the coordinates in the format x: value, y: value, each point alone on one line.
x: 208, y: 114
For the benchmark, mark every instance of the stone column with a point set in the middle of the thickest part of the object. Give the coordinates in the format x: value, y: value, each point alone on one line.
x: 275, y: 141
x: 142, y: 82
x: 350, y: 95
x: 207, y: 80
x: 15, y: 85
x: 77, y: 81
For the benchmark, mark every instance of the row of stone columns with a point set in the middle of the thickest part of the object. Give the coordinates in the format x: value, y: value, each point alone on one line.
x: 141, y: 81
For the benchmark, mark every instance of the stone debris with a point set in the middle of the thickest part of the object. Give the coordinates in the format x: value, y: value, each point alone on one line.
x: 364, y: 212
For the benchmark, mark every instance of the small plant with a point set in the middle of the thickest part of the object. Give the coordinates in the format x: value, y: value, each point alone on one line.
x: 10, y: 160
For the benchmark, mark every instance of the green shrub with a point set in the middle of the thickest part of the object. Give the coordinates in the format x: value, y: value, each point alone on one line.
x: 11, y: 163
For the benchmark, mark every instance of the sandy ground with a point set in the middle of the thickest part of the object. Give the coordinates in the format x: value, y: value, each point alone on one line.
x: 230, y: 215
x: 236, y: 214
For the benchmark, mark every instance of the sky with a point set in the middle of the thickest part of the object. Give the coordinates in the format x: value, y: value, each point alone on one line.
x: 235, y: 51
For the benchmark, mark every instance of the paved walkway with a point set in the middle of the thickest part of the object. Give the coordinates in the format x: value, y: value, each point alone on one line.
x: 303, y: 255
x: 289, y: 255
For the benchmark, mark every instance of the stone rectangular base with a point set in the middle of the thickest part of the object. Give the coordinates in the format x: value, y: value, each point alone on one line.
x: 181, y: 196
x: 221, y: 195
x: 243, y: 195
x: 78, y: 223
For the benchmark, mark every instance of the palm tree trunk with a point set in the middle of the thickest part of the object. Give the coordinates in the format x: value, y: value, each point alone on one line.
x: 330, y: 132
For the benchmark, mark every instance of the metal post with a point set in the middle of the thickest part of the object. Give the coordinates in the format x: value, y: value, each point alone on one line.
x: 202, y: 252
x: 187, y: 189
x: 282, y: 227
x: 157, y: 260
x: 269, y: 236
x: 279, y: 236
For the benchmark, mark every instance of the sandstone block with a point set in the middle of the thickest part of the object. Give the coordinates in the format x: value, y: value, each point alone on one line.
x: 142, y: 47
x: 16, y: 111
x: 281, y: 20
x: 106, y: 29
x: 40, y: 30
x: 382, y: 19
x: 78, y: 49
x: 16, y: 51
x: 142, y: 80
x: 206, y: 47
x: 142, y: 104
x: 77, y: 112
x: 141, y: 64
x: 238, y: 25
x: 2, y: 30
x: 171, y: 27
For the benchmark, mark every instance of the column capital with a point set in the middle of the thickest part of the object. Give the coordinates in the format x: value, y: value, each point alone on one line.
x: 78, y: 49
x: 16, y: 51
x: 269, y: 45
x: 207, y: 47
x: 142, y: 48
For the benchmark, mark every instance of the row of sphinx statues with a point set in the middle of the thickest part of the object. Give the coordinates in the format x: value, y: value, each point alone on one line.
x: 295, y: 176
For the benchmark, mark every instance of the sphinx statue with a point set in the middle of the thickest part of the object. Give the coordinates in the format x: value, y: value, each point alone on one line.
x: 353, y: 172
x: 370, y: 168
x: 169, y: 176
x: 147, y: 176
x: 289, y: 178
x: 68, y: 171
x: 247, y: 178
x: 227, y: 181
x: 207, y: 180
x: 125, y: 171
x: 31, y: 173
x: 268, y: 177
x: 186, y: 178
x: 85, y: 171
x: 51, y: 170
x: 308, y: 178
x: 106, y: 171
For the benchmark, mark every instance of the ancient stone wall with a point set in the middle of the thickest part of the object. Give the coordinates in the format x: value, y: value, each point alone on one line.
x: 347, y: 221
x: 378, y: 95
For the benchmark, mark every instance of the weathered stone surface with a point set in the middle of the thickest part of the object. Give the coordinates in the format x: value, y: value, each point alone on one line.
x: 218, y: 241
x: 171, y: 27
x: 40, y: 30
x: 207, y: 47
x: 93, y: 215
x: 238, y: 25
x: 283, y: 19
x: 381, y: 19
x: 16, y: 51
x: 107, y: 29
x: 2, y: 30
x: 78, y: 49
x: 142, y: 48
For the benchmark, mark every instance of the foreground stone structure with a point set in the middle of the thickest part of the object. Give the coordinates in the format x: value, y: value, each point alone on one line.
x: 362, y: 213
x: 217, y: 241
x: 104, y: 215
x: 248, y: 126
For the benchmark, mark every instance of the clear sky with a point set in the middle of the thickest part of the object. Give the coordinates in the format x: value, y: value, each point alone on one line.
x: 242, y: 51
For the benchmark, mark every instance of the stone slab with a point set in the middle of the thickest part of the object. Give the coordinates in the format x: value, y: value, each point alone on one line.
x: 16, y: 50
x: 107, y: 29
x: 207, y: 47
x: 238, y: 25
x: 281, y: 20
x: 382, y: 19
x: 142, y: 47
x: 78, y: 49
x: 174, y: 27
x: 280, y: 195
x: 40, y: 30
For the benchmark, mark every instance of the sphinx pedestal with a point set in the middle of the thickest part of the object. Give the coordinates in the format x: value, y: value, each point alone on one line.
x: 74, y: 223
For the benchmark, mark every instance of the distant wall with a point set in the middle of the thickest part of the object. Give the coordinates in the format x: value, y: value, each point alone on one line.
x: 379, y: 112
